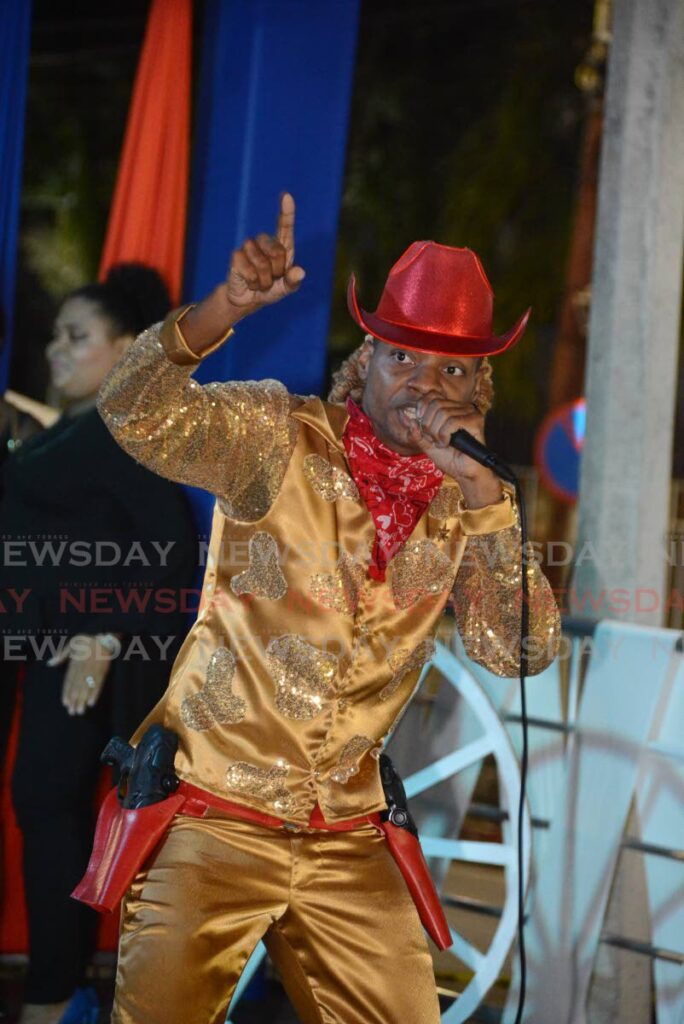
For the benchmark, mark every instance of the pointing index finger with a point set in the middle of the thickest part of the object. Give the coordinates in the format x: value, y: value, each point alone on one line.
x: 285, y: 228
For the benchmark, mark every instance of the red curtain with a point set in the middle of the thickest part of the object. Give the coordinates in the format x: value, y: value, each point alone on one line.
x: 147, y: 218
x: 13, y: 933
x: 13, y: 926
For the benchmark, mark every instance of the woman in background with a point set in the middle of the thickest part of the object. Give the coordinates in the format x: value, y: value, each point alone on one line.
x: 20, y: 418
x: 103, y: 556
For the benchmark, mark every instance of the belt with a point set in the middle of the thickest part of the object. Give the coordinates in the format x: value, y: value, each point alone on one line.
x: 198, y: 802
x: 125, y: 839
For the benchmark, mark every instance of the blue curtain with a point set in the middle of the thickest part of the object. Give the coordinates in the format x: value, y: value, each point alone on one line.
x: 14, y: 51
x: 272, y: 115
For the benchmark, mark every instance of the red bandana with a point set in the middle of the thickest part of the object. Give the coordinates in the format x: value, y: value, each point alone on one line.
x: 396, y: 488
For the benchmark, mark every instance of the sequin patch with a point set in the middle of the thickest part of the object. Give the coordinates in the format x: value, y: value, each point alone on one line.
x: 347, y: 765
x: 328, y: 481
x: 339, y: 590
x: 264, y: 783
x: 487, y: 601
x: 233, y: 439
x: 420, y: 570
x: 446, y: 503
x: 404, y: 662
x: 215, y: 703
x: 303, y: 675
x: 264, y: 577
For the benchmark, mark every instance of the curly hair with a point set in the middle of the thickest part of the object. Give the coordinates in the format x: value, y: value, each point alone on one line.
x: 132, y: 297
x: 347, y: 381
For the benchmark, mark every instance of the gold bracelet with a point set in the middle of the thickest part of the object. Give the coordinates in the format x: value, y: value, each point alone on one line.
x: 189, y: 354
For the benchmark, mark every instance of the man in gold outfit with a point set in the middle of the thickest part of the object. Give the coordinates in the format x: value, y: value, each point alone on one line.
x: 339, y: 534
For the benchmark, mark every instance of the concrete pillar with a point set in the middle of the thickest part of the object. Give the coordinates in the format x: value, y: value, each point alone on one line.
x: 631, y: 379
x: 634, y: 324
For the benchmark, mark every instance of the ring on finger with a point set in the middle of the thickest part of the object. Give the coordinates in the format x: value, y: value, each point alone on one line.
x: 90, y: 682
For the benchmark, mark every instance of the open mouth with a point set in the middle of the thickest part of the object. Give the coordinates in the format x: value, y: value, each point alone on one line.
x: 407, y: 415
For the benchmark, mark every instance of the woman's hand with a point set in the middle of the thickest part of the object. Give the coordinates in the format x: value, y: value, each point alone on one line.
x: 86, y: 672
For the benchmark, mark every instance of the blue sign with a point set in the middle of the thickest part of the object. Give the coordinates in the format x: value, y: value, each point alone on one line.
x: 558, y: 449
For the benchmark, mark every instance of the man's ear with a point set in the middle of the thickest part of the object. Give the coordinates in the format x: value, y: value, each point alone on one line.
x: 365, y: 356
x: 483, y: 392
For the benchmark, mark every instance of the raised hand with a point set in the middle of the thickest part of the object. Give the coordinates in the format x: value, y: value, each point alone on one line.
x: 263, y: 270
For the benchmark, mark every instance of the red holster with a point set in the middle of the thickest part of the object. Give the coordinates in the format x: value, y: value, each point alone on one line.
x: 125, y: 840
x: 407, y: 852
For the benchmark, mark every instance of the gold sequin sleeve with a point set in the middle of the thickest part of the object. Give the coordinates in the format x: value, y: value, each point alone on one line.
x: 486, y: 599
x: 233, y: 439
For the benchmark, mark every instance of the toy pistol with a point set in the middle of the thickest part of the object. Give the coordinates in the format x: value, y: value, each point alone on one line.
x: 146, y: 772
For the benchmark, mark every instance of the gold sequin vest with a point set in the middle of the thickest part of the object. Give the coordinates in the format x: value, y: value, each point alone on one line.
x: 299, y: 664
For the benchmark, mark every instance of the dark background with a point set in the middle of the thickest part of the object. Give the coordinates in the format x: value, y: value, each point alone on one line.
x: 465, y: 128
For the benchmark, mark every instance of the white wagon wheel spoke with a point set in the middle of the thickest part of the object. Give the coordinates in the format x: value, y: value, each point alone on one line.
x: 493, y: 740
x: 448, y: 766
x: 466, y: 952
x: 469, y: 850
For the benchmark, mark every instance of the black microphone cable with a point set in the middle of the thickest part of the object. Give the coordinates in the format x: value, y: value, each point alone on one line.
x: 465, y: 442
x: 524, y: 630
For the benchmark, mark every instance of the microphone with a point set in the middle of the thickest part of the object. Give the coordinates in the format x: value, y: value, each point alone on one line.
x: 469, y: 445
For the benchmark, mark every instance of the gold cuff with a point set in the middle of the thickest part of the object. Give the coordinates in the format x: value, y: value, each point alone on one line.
x: 175, y: 345
x: 489, y: 518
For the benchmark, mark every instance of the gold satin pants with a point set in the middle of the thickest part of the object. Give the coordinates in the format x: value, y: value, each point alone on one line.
x: 332, y: 908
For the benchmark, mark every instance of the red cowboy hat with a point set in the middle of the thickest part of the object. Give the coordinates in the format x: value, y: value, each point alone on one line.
x: 436, y: 299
